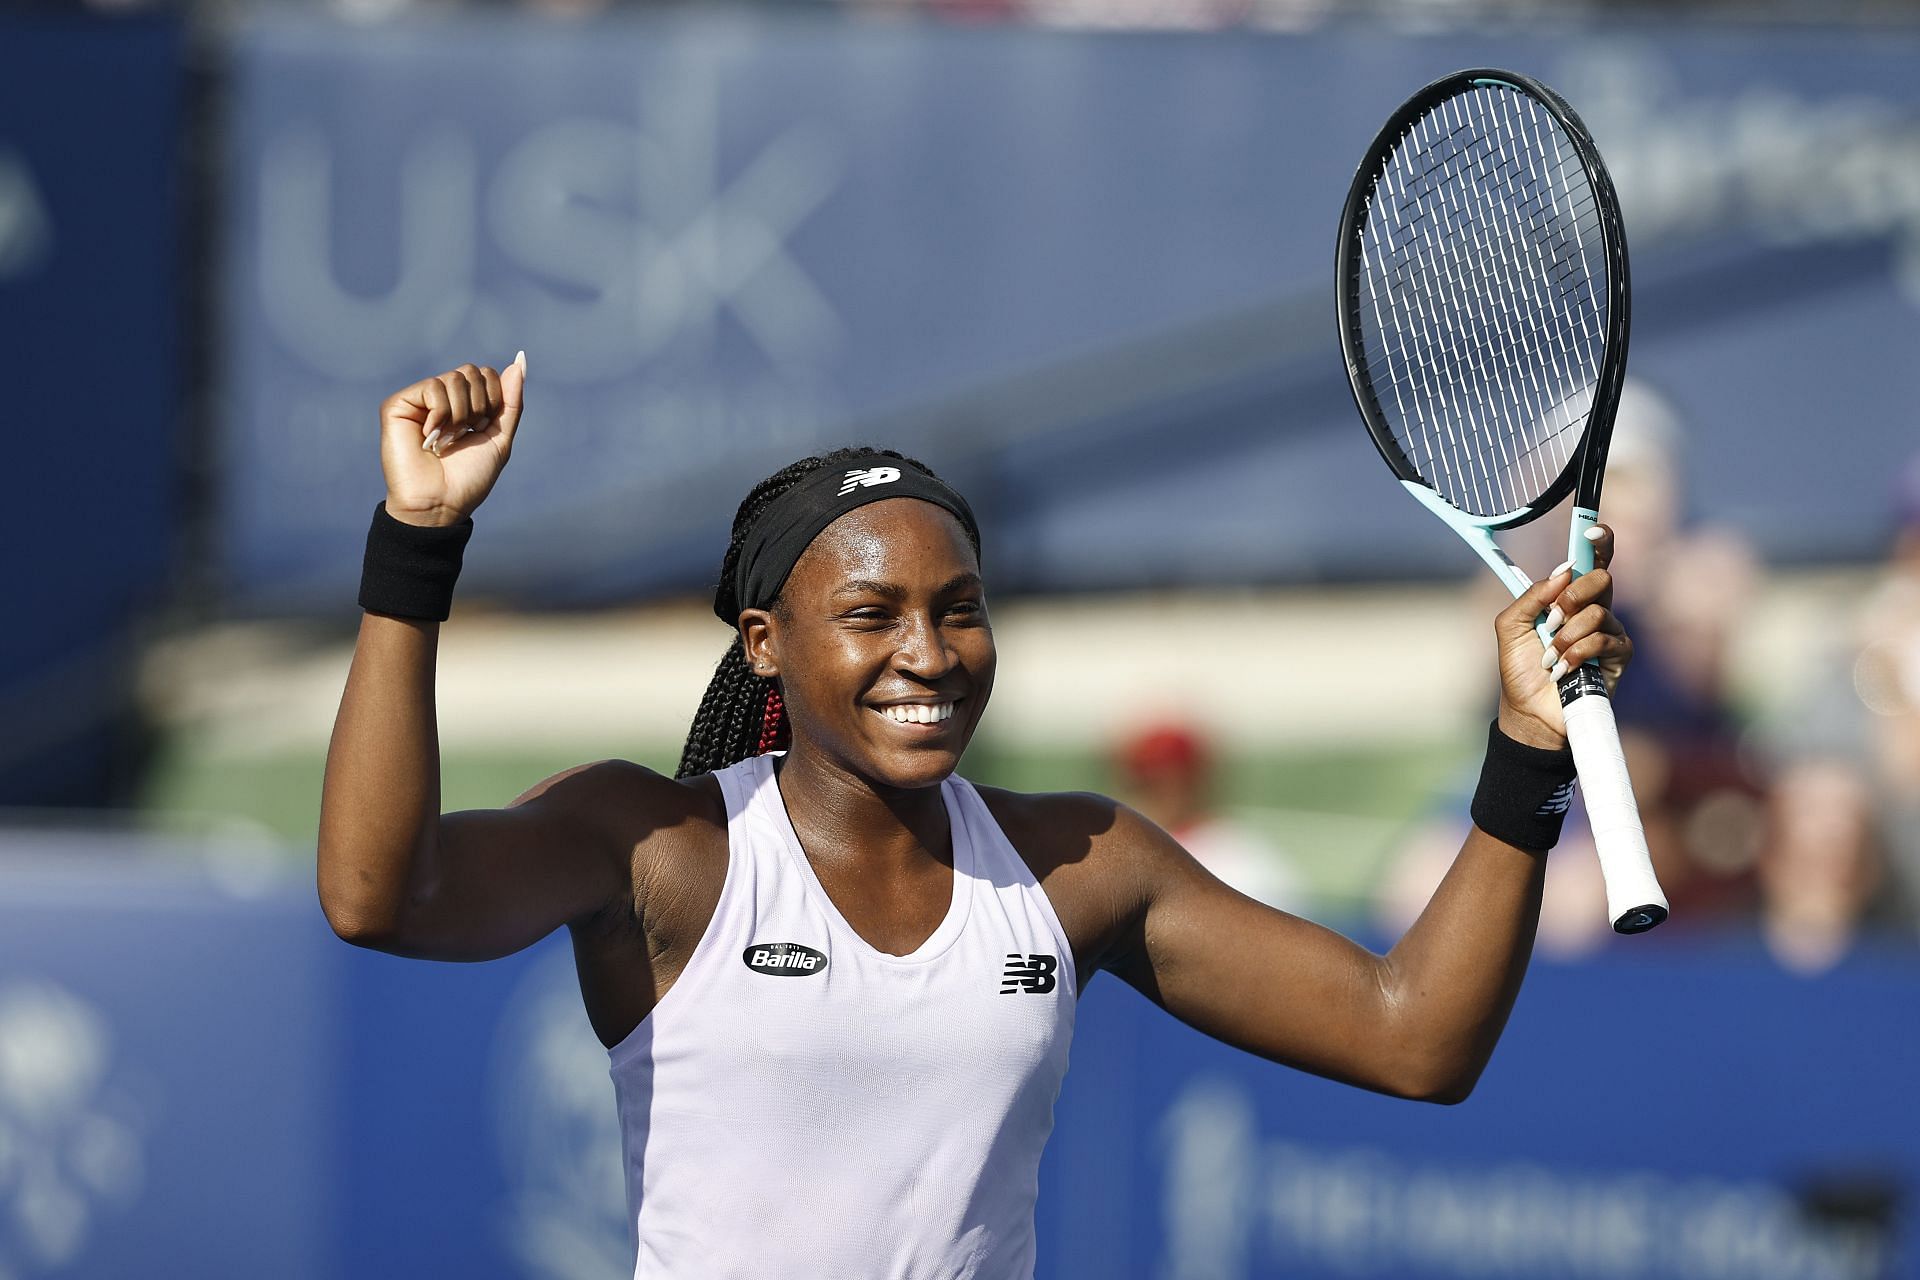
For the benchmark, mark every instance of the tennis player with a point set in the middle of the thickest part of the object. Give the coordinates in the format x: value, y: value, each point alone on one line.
x: 837, y: 982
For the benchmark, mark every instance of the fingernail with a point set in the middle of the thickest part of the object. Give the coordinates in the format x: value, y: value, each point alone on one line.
x: 1561, y: 568
x: 520, y: 358
x: 1559, y: 669
x: 1594, y: 533
x: 1547, y: 659
x: 431, y: 437
x: 1554, y: 619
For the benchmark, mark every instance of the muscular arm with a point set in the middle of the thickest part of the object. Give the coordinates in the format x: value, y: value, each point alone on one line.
x: 396, y: 875
x: 1420, y: 1021
x: 382, y: 783
x: 393, y: 873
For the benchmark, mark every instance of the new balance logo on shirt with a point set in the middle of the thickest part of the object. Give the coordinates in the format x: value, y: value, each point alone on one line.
x: 878, y: 475
x: 1030, y: 974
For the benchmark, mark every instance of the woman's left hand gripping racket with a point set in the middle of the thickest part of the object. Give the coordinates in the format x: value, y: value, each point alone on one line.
x: 1482, y: 289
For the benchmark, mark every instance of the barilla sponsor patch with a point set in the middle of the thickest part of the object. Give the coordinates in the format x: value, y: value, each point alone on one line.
x: 783, y: 959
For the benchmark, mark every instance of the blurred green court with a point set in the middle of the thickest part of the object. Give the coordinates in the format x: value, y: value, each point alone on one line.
x: 1334, y: 813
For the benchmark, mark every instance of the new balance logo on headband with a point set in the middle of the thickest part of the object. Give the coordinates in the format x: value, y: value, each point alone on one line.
x: 878, y: 475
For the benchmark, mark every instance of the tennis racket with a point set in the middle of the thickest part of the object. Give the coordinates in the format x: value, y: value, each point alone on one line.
x: 1483, y: 306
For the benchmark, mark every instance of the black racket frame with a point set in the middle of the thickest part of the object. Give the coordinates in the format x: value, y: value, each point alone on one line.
x: 1587, y: 465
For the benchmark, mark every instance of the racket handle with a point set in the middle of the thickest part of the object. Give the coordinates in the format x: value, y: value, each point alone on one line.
x: 1579, y: 549
x: 1634, y: 900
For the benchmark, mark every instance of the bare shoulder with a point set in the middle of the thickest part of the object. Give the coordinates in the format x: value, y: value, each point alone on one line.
x: 619, y: 791
x: 1098, y: 860
x: 655, y: 825
x: 1055, y: 828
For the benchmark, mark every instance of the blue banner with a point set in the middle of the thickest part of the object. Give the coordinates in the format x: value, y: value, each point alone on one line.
x: 169, y: 1095
x: 1086, y: 274
x: 90, y: 319
x: 192, y: 1068
x: 1670, y: 1112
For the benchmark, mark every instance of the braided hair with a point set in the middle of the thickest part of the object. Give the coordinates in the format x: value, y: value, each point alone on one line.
x: 743, y: 714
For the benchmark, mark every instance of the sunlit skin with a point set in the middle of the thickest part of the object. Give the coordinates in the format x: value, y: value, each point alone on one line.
x: 887, y: 605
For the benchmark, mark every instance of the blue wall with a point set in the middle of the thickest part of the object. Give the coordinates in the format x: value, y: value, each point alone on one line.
x: 195, y: 1070
x: 1087, y: 274
x: 90, y: 342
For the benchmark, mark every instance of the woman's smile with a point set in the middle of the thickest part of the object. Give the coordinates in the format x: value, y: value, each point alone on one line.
x: 923, y: 716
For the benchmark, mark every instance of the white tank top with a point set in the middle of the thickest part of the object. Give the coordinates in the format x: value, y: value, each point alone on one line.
x: 800, y: 1104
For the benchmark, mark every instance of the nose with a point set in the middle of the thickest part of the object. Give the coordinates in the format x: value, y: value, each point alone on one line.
x: 923, y: 651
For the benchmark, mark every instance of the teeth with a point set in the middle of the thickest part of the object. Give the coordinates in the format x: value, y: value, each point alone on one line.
x: 918, y: 713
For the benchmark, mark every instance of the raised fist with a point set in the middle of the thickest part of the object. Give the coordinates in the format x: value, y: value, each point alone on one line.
x: 443, y: 440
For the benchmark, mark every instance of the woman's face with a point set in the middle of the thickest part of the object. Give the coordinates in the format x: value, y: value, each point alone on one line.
x: 881, y: 643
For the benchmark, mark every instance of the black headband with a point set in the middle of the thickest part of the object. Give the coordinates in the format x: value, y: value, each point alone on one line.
x: 794, y: 519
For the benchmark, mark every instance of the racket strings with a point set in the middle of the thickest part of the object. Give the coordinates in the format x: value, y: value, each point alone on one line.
x: 1458, y: 265
x: 1453, y: 268
x: 1476, y: 287
x: 1482, y: 297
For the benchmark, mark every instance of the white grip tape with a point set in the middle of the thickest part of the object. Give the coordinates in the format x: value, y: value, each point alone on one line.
x: 1611, y: 811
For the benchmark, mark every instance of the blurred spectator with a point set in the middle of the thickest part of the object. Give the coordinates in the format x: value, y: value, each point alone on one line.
x: 1167, y: 772
x: 1886, y: 681
x: 1823, y: 865
x: 1863, y: 709
x: 1701, y: 798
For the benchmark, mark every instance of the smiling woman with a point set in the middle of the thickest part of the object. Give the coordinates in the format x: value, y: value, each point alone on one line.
x: 823, y: 500
x: 818, y: 957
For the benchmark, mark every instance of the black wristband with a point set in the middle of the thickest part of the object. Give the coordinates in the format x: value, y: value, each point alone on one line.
x: 410, y: 569
x: 1523, y: 793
